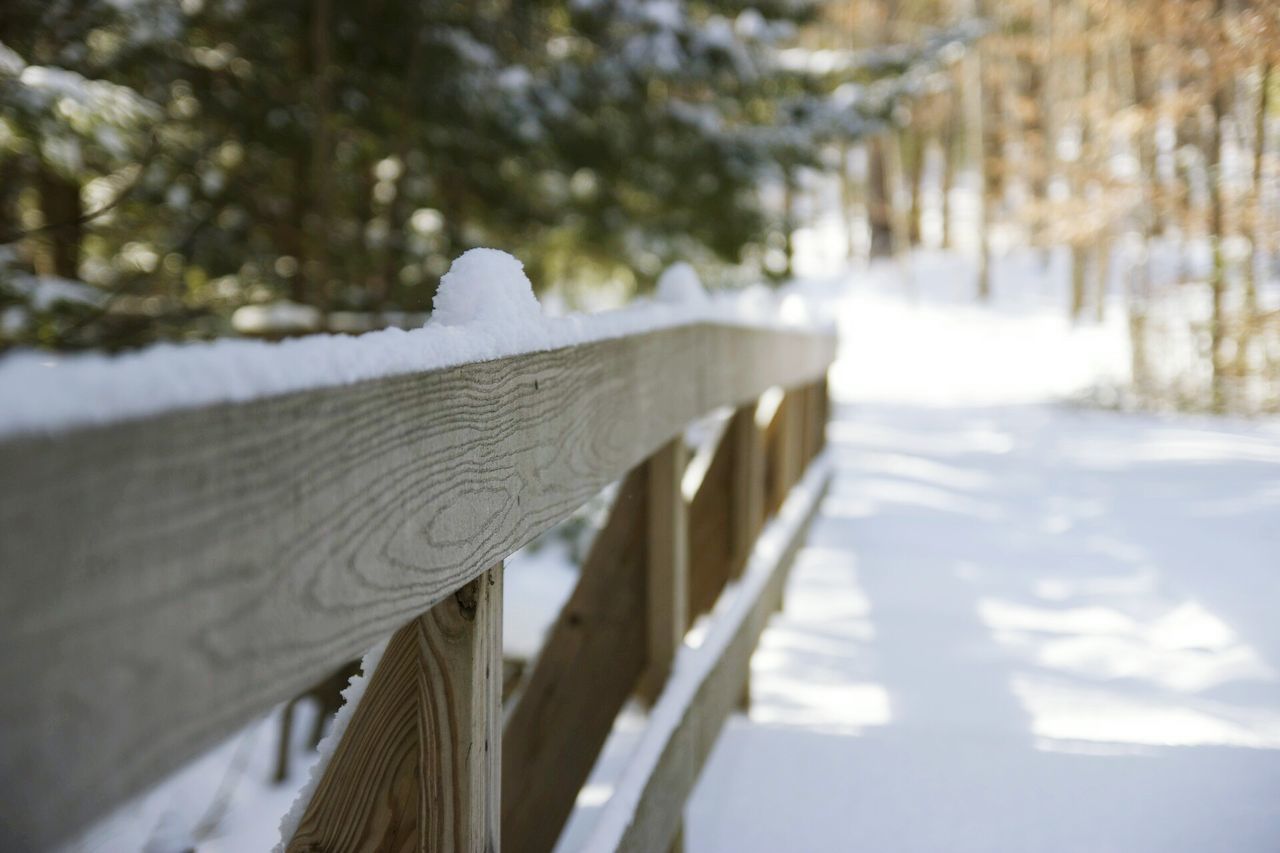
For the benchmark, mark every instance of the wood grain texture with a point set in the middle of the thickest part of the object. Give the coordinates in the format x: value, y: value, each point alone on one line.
x: 370, y: 790
x: 667, y: 571
x: 460, y: 693
x: 589, y: 666
x: 167, y: 579
x: 656, y: 820
x: 417, y: 768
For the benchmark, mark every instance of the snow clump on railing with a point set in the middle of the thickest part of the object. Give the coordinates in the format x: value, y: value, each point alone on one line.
x: 679, y: 284
x: 485, y: 286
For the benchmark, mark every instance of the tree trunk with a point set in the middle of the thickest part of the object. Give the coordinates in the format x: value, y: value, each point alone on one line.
x: 848, y: 201
x: 319, y: 177
x: 975, y: 133
x: 879, y: 199
x: 915, y: 155
x: 1079, y: 279
x: 1221, y: 104
x: 60, y: 206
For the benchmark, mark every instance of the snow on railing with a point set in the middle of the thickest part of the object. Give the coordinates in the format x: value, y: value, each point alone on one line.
x: 484, y: 309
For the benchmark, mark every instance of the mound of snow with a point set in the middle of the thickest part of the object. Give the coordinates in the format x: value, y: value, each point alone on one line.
x: 680, y: 285
x: 485, y: 286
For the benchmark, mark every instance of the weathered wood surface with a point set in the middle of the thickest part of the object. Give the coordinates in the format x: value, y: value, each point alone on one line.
x: 655, y: 822
x: 590, y: 665
x: 165, y: 580
x: 710, y: 533
x: 667, y: 572
x: 417, y: 768
x: 775, y: 457
x: 747, y: 487
x: 823, y: 395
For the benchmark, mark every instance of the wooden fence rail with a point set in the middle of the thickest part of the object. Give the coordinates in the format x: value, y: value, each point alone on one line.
x: 163, y: 581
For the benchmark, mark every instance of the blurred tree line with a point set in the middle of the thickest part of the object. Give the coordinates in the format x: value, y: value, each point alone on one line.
x: 166, y: 164
x: 1139, y: 139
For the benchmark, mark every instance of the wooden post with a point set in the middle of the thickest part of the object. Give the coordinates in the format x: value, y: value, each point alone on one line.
x: 747, y: 491
x: 785, y: 456
x: 668, y: 569
x: 796, y: 399
x: 815, y: 421
x: 588, y: 668
x: 418, y: 767
x: 824, y: 410
x: 710, y: 532
x: 804, y: 402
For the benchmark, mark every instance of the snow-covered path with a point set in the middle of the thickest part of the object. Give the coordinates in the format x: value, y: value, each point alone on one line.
x: 1017, y: 625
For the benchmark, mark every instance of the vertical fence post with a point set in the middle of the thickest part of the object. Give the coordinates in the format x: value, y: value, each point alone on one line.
x: 747, y: 490
x: 668, y: 573
x: 779, y: 458
x: 804, y: 404
x: 797, y: 400
x: 588, y: 668
x: 824, y: 411
x: 668, y: 558
x: 418, y: 766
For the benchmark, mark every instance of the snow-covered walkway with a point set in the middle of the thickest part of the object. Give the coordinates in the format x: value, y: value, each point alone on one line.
x: 1017, y: 625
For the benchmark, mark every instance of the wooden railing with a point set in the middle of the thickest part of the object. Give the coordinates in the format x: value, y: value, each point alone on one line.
x: 163, y: 581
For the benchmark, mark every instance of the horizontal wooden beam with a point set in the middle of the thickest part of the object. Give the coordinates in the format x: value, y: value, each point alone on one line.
x: 646, y: 809
x: 167, y: 579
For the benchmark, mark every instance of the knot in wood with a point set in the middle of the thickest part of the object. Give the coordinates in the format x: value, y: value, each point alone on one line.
x: 468, y: 599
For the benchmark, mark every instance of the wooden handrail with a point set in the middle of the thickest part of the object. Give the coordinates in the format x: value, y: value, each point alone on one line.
x: 167, y: 579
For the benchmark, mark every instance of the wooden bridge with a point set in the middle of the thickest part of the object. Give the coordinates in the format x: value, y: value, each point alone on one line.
x: 168, y: 579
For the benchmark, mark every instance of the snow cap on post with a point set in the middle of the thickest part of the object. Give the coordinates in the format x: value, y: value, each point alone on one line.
x: 679, y: 285
x: 485, y: 286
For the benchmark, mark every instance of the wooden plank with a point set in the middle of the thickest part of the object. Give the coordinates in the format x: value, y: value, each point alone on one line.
x: 809, y: 415
x: 778, y: 460
x: 710, y: 533
x: 667, y: 572
x: 795, y: 433
x: 816, y: 419
x: 824, y: 411
x: 417, y: 768
x: 747, y: 491
x: 589, y: 667
x: 167, y: 579
x: 688, y: 719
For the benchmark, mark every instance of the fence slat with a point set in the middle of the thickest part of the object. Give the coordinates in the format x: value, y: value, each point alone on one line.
x: 747, y: 491
x: 667, y: 572
x: 779, y: 436
x: 589, y: 666
x: 676, y: 748
x: 417, y: 768
x: 710, y: 532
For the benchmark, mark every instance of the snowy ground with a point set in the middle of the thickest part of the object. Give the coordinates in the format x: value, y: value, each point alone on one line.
x: 1017, y: 625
